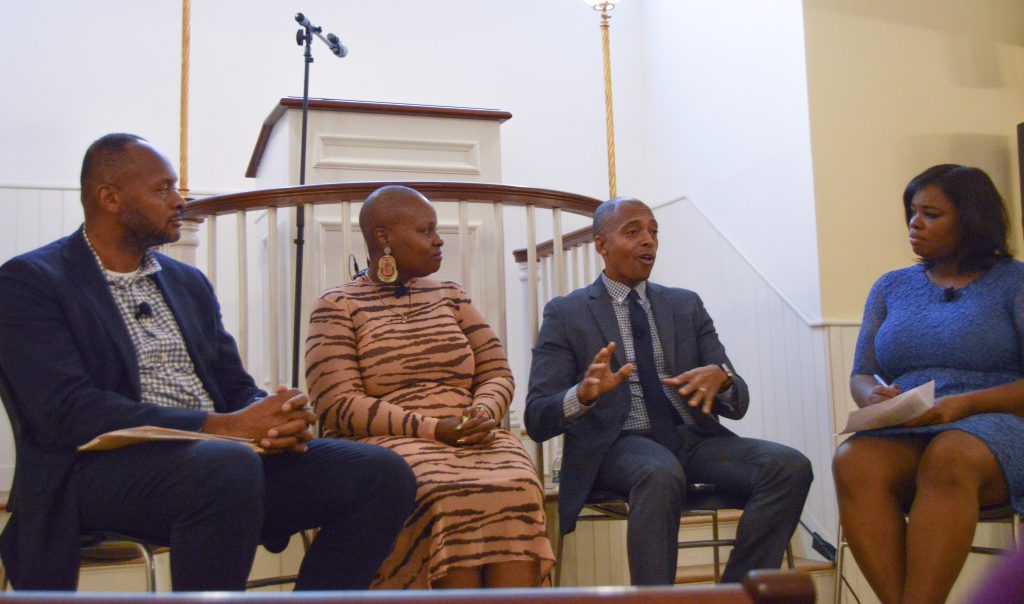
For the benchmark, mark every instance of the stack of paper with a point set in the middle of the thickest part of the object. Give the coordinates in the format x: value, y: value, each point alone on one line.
x: 893, y: 412
x: 148, y: 434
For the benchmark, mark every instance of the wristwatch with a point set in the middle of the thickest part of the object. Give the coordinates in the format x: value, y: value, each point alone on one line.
x: 729, y: 375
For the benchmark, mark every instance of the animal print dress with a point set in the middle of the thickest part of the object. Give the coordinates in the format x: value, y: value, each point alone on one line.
x: 383, y: 369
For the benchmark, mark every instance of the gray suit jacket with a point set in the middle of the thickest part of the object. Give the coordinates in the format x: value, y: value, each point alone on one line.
x: 575, y: 328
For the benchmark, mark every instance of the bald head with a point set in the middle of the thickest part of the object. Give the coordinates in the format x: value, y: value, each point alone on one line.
x: 105, y: 158
x: 605, y: 214
x: 387, y: 206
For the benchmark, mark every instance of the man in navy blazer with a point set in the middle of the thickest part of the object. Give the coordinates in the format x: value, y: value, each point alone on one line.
x: 97, y: 333
x: 633, y: 374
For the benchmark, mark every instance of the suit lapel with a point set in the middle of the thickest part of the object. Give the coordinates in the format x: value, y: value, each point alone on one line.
x: 600, y: 305
x: 666, y: 326
x: 83, y: 271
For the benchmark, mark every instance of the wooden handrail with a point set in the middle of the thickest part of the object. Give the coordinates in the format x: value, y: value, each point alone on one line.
x: 358, y: 191
x: 547, y: 248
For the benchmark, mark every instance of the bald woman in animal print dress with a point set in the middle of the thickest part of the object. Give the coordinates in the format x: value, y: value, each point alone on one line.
x: 413, y: 366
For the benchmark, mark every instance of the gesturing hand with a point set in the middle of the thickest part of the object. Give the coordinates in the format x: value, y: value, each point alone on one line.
x: 600, y: 378
x: 703, y: 382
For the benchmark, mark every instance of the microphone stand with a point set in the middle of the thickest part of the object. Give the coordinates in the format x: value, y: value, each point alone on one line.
x: 304, y: 37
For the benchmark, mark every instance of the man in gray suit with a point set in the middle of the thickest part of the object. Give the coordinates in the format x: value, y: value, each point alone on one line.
x: 633, y: 374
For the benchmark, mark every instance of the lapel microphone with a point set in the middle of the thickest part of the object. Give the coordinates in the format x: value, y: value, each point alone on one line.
x: 144, y: 310
x: 949, y: 294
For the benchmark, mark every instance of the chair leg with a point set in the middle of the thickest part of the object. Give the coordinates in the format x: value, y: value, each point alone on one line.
x: 837, y: 592
x: 790, y: 563
x: 150, y: 562
x: 558, y: 559
x: 714, y: 536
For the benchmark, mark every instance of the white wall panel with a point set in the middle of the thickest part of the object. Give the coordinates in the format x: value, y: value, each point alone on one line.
x: 773, y: 346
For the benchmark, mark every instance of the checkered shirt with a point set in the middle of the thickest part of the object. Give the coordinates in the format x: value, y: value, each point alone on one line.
x: 636, y: 419
x: 166, y: 373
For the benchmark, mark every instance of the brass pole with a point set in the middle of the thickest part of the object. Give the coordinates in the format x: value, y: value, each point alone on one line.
x: 609, y: 119
x: 186, y: 27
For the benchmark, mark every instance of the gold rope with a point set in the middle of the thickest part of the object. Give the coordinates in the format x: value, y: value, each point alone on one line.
x: 609, y: 120
x: 186, y: 26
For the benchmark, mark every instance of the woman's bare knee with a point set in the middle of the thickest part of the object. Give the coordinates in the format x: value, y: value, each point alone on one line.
x: 870, y: 463
x: 956, y: 461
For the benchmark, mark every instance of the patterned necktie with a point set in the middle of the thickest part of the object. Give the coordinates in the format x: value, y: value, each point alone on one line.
x: 659, y: 409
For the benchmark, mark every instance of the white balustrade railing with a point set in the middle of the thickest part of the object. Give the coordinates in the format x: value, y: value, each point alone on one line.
x: 258, y: 300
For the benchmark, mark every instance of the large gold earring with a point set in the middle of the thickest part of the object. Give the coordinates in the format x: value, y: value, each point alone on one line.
x: 387, y: 267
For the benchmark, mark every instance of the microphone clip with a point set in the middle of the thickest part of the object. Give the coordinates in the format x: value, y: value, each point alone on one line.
x: 143, y: 310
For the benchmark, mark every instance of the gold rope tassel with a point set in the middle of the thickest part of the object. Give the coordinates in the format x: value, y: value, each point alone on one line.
x: 186, y: 39
x: 609, y: 120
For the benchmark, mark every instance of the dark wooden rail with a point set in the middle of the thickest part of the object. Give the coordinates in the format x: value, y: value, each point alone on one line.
x: 569, y: 241
x: 358, y: 191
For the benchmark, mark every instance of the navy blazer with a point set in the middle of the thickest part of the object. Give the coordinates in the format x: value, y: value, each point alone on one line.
x: 575, y: 328
x: 73, y: 373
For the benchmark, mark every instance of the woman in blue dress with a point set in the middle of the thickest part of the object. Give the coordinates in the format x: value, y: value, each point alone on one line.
x: 956, y: 317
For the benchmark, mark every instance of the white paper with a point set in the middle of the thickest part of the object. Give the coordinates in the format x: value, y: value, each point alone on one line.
x: 143, y: 434
x: 893, y: 412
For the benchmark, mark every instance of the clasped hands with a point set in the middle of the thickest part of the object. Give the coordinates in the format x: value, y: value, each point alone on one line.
x: 277, y: 423
x: 700, y: 384
x: 473, y: 428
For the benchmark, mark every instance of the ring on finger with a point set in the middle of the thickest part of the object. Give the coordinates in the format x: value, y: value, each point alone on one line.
x: 702, y: 389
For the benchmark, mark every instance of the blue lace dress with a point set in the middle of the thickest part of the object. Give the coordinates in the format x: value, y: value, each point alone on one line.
x: 911, y: 335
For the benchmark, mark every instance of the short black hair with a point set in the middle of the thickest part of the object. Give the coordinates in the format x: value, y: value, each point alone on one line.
x: 102, y: 153
x: 605, y: 213
x: 983, y: 221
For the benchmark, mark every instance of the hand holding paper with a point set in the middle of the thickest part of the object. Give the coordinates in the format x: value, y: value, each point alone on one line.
x: 946, y: 409
x: 893, y: 412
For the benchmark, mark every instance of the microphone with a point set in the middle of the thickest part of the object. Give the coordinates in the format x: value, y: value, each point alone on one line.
x: 949, y: 294
x: 304, y: 22
x: 401, y: 290
x: 331, y: 40
x: 144, y: 310
x: 337, y: 47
